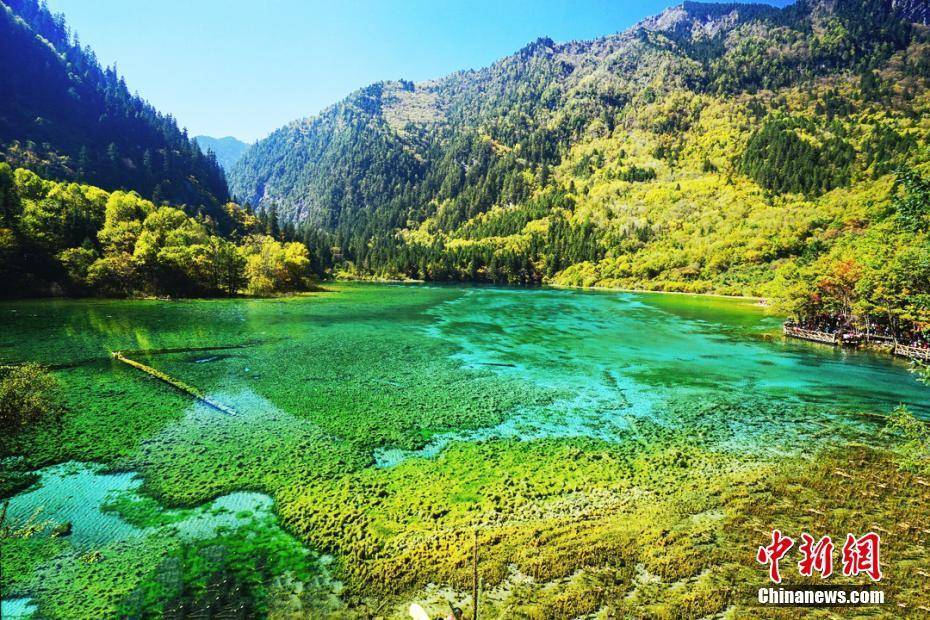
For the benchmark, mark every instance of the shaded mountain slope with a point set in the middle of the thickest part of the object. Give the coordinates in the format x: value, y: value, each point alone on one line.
x: 66, y: 117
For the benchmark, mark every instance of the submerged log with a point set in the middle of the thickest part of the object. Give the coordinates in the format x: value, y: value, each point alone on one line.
x: 175, y: 383
x: 221, y: 347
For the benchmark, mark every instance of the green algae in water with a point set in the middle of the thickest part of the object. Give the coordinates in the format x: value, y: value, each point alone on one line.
x: 384, y: 421
x: 664, y: 343
x: 109, y: 523
x: 93, y: 503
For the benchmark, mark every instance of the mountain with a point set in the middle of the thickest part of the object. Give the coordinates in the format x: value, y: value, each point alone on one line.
x: 527, y: 110
x: 228, y: 150
x: 731, y: 148
x: 66, y: 117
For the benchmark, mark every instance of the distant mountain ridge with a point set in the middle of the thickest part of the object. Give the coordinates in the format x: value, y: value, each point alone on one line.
x: 228, y: 150
x: 693, y: 19
x: 66, y: 117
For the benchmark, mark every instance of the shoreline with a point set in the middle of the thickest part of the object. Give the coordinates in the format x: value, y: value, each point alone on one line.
x: 760, y: 301
x: 320, y: 287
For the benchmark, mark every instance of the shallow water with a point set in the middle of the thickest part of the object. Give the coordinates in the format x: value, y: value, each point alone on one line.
x: 575, y: 340
x: 16, y: 608
x: 623, y: 356
x: 650, y: 344
x: 344, y: 365
x: 89, y: 501
x: 79, y: 494
x: 366, y: 377
x: 74, y: 493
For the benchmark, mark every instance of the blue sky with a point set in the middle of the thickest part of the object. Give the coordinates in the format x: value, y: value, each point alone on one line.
x: 230, y: 67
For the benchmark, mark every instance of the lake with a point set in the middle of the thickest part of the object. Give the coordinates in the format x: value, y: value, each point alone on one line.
x: 372, y: 427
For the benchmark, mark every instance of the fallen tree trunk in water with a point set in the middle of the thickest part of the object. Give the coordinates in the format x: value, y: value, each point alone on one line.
x: 175, y: 383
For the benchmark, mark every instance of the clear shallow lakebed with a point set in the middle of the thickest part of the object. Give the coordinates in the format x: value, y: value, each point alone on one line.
x: 373, y: 426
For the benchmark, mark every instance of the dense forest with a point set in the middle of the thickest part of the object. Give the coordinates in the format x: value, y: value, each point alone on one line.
x: 67, y: 238
x: 736, y: 149
x: 67, y: 118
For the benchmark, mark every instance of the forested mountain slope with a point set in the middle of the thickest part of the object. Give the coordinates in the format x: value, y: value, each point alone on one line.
x: 65, y: 117
x: 711, y: 148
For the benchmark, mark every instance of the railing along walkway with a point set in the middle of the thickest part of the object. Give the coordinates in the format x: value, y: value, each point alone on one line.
x: 914, y: 353
x: 900, y: 350
x: 811, y: 334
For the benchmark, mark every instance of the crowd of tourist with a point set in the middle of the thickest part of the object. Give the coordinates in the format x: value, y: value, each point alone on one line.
x: 919, y: 340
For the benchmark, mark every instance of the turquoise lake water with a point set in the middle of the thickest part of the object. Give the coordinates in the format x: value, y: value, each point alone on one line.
x: 352, y: 373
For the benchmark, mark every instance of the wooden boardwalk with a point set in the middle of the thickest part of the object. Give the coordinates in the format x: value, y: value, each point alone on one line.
x: 850, y: 339
x: 914, y: 353
x: 811, y: 334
